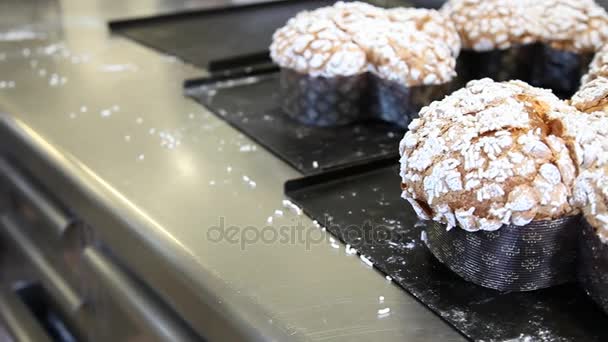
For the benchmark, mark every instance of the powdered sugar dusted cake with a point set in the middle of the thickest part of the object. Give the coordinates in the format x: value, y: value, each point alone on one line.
x: 598, y: 67
x: 592, y: 191
x: 573, y: 25
x: 436, y: 25
x: 492, y: 154
x: 410, y: 46
x: 591, y: 187
x: 486, y: 25
x: 592, y: 96
x: 406, y: 57
x: 316, y: 46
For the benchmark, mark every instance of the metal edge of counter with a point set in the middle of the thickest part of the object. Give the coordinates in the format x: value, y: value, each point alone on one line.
x: 212, y: 310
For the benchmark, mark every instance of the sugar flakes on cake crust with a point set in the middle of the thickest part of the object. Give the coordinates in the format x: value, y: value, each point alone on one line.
x: 592, y: 96
x: 410, y: 46
x: 591, y: 192
x: 598, y: 67
x: 573, y: 25
x: 492, y: 154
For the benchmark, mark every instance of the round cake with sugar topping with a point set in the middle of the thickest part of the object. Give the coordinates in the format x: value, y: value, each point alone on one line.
x: 410, y: 46
x: 490, y: 154
x: 315, y: 46
x: 352, y: 61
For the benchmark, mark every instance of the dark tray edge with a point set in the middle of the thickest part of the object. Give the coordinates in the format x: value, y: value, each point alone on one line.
x: 293, y: 186
x: 119, y: 24
x: 232, y: 74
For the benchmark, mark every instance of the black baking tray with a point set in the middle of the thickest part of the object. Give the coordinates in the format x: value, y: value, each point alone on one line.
x: 250, y: 102
x: 362, y: 207
x: 225, y: 37
x: 216, y: 38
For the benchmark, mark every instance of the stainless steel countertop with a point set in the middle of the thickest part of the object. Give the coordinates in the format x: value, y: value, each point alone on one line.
x: 109, y: 116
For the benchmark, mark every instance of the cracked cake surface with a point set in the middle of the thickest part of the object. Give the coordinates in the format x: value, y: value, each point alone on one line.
x: 492, y: 154
x: 410, y: 46
x: 573, y: 25
x: 592, y: 96
x: 316, y: 46
x: 591, y: 186
x: 591, y: 190
x: 598, y: 67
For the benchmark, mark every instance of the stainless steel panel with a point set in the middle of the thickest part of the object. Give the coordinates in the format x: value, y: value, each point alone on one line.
x: 62, y: 291
x: 133, y: 299
x: 19, y: 322
x: 51, y: 212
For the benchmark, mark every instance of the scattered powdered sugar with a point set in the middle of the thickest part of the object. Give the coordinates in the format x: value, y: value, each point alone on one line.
x: 119, y: 67
x: 15, y: 35
x: 410, y: 245
x: 493, y: 154
x: 169, y: 140
x: 542, y: 335
x: 384, y: 312
x: 291, y: 206
x: 455, y: 315
x: 247, y: 148
x: 366, y: 261
x: 350, y: 250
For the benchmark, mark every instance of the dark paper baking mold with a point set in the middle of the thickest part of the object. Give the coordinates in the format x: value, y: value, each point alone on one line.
x: 559, y: 70
x: 336, y: 101
x: 514, y: 63
x: 399, y: 104
x: 513, y: 258
x: 593, y: 266
x: 537, y: 64
x: 323, y: 101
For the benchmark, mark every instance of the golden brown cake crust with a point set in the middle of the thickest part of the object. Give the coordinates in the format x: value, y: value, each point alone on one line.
x: 598, y: 67
x: 592, y: 96
x: 409, y: 46
x: 491, y: 154
x: 573, y: 25
x: 591, y: 191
